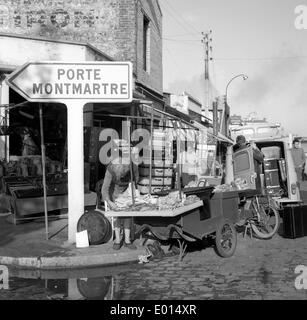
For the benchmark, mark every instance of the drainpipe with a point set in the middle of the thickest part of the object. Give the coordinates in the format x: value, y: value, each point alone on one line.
x: 4, y: 99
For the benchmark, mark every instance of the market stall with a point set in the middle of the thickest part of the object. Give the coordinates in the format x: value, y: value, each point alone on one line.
x: 34, y: 170
x: 164, y: 204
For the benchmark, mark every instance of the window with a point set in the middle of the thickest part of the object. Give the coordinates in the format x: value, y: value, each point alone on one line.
x: 270, y: 130
x: 146, y: 44
x: 271, y: 152
x: 248, y: 131
x: 241, y: 162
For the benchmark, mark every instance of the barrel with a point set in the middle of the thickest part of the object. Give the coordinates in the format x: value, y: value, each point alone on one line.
x: 94, y: 288
x: 98, y: 227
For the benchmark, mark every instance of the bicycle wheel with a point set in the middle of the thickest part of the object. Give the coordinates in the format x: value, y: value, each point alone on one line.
x: 266, y: 225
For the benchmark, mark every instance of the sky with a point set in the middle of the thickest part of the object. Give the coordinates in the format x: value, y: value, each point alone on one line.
x: 253, y: 37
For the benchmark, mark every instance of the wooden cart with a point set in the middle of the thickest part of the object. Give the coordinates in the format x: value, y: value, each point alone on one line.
x: 213, y: 216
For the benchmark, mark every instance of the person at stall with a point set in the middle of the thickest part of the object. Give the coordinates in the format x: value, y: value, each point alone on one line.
x: 29, y: 148
x: 258, y: 157
x: 189, y: 165
x: 299, y: 159
x: 240, y: 143
x: 116, y: 182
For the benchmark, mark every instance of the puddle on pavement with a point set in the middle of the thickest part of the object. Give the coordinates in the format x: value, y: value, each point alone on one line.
x: 89, y: 284
x: 163, y: 279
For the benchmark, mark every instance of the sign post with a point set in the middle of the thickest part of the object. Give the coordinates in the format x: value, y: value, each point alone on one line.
x: 74, y: 84
x: 75, y: 166
x: 41, y: 124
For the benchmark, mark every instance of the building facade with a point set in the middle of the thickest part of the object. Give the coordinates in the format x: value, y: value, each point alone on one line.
x: 126, y: 30
x: 186, y: 104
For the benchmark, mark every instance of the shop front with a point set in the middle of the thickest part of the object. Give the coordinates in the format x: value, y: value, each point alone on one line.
x: 22, y: 129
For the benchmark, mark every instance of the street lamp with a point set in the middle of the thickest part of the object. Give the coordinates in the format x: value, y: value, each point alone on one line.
x: 244, y: 76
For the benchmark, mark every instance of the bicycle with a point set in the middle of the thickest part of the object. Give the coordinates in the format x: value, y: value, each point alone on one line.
x: 260, y: 215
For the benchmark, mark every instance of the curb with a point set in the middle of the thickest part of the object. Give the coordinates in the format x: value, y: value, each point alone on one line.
x: 72, y: 262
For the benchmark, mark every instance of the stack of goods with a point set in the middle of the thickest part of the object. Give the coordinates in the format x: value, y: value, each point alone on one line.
x: 170, y: 202
x: 125, y: 203
x: 228, y: 187
x: 30, y: 166
x: 274, y: 170
x: 53, y: 167
x: 271, y: 174
x: 162, y: 165
x: 205, y: 158
x: 153, y: 203
x: 10, y: 168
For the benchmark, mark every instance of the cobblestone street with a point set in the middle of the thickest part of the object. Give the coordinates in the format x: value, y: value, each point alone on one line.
x: 258, y: 270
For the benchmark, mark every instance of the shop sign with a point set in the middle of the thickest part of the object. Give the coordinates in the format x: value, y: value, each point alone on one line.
x: 86, y: 81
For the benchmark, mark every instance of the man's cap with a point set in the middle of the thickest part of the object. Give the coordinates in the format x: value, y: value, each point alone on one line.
x: 240, y: 139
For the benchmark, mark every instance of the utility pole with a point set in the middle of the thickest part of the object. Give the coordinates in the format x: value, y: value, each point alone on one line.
x: 207, y: 41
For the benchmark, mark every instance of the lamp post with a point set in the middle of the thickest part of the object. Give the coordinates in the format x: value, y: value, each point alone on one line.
x: 244, y: 76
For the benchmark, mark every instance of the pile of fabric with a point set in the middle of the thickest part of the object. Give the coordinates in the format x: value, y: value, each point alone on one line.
x: 173, y: 201
x: 170, y: 202
x: 125, y: 202
x: 150, y: 202
x: 238, y: 184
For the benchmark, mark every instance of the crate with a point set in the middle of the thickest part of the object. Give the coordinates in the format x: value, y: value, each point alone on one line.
x: 272, y: 178
x: 156, y: 171
x: 270, y: 164
x: 273, y: 152
x: 162, y: 163
x: 156, y: 181
x: 295, y: 221
x: 274, y: 191
x: 144, y: 189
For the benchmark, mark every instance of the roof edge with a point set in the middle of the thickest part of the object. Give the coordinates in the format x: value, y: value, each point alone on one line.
x: 36, y: 38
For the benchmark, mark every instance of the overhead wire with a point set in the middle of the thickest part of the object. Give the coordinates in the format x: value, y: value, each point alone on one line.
x: 181, y: 35
x: 177, y: 64
x: 180, y: 15
x: 182, y: 40
x: 261, y: 58
x: 174, y: 16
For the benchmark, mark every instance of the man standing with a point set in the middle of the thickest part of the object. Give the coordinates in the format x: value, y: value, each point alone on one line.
x: 299, y: 159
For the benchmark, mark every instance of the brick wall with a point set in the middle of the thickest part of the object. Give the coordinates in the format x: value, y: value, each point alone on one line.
x: 154, y: 78
x: 113, y: 26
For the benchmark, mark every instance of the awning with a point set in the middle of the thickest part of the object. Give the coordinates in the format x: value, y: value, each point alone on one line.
x: 220, y: 136
x: 223, y: 138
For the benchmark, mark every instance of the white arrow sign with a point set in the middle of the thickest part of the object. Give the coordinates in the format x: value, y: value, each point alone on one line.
x: 58, y: 81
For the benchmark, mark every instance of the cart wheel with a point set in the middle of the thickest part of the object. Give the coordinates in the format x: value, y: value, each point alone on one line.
x: 226, y: 239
